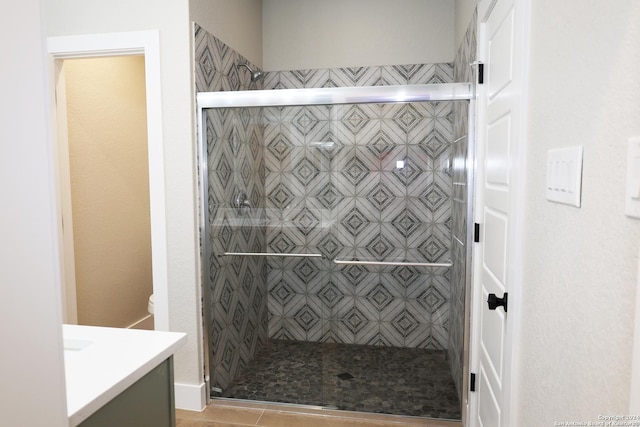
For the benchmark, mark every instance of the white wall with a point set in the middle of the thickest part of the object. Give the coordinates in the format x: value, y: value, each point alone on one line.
x: 238, y: 23
x: 32, y: 368
x: 464, y: 12
x: 171, y: 18
x: 309, y: 34
x: 579, y: 287
x: 414, y: 31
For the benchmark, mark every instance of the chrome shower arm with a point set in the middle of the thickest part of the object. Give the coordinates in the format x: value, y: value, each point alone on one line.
x: 255, y: 75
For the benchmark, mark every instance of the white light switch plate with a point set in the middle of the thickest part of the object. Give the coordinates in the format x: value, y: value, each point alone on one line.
x: 632, y: 198
x: 564, y: 175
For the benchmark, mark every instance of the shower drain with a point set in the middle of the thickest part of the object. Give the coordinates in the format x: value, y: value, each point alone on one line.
x: 345, y: 376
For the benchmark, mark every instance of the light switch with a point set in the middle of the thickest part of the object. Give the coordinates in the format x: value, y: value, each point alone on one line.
x: 564, y: 175
x: 632, y: 202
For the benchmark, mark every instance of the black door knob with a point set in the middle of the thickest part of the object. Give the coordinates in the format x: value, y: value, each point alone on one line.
x: 494, y: 302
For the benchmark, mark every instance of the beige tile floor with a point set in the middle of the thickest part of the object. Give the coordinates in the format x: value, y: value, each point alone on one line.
x: 225, y: 413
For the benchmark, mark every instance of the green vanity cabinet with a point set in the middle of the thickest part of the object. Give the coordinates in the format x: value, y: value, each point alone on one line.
x: 148, y: 402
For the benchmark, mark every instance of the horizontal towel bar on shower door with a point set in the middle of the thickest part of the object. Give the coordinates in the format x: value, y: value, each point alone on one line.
x: 271, y: 254
x: 394, y: 263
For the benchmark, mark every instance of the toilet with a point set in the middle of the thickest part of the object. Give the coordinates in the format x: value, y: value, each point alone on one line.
x: 150, y: 305
x: 147, y: 323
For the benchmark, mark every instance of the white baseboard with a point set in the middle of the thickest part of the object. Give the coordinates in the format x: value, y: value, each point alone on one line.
x: 145, y: 323
x: 190, y: 397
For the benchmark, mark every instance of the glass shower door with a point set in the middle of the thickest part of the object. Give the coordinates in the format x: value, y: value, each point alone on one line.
x: 359, y: 184
x: 298, y: 208
x: 336, y: 255
x: 235, y: 305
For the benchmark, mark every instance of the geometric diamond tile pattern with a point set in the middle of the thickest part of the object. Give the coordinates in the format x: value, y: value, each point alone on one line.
x: 375, y: 205
x: 356, y: 304
x: 236, y: 308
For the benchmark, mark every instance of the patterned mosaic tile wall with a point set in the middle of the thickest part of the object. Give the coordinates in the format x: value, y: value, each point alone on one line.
x: 462, y: 73
x: 334, y: 187
x: 236, y: 296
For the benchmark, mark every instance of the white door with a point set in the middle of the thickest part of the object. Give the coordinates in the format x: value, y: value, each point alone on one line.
x: 498, y: 208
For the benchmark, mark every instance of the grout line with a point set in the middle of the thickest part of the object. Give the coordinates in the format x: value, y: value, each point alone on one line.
x: 260, y: 417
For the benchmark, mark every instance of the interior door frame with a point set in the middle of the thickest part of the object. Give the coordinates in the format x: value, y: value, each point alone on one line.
x: 511, y: 377
x: 634, y: 394
x: 145, y: 43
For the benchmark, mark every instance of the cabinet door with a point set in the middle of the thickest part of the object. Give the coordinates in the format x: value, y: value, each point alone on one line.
x: 148, y: 402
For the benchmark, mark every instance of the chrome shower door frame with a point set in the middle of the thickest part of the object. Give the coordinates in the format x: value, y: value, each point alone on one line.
x: 319, y: 96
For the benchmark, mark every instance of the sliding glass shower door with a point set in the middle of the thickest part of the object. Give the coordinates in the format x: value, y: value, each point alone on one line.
x: 235, y: 291
x: 328, y: 247
x: 368, y: 187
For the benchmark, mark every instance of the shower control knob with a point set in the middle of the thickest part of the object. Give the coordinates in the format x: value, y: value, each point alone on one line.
x: 242, y: 201
x: 494, y: 302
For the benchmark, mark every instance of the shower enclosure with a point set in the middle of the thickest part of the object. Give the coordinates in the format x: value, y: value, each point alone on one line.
x: 326, y: 245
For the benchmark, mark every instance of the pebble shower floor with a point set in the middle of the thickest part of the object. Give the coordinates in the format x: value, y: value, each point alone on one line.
x: 399, y: 381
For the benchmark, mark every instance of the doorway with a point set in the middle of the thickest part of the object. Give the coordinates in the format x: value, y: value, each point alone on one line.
x: 145, y: 44
x: 106, y: 226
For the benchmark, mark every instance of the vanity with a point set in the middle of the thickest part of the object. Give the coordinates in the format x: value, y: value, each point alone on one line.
x: 119, y: 377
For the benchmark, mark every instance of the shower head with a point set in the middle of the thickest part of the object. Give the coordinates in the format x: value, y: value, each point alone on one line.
x: 255, y: 75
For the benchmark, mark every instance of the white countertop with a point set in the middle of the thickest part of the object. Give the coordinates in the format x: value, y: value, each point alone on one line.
x: 100, y: 363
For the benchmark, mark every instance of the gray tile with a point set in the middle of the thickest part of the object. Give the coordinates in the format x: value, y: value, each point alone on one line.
x: 318, y: 78
x: 355, y: 76
x: 291, y: 79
